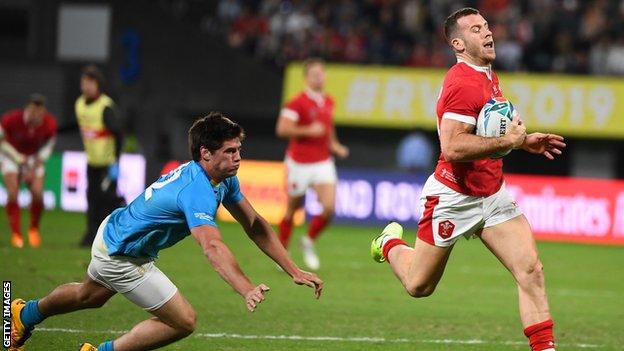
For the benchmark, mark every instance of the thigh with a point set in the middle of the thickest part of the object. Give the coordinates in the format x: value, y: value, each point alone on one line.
x: 36, y: 186
x: 174, y: 311
x: 11, y: 181
x: 153, y: 292
x: 429, y: 262
x: 295, y: 202
x: 512, y: 243
x: 326, y: 194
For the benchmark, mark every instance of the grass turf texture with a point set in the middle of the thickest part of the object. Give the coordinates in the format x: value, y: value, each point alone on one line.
x: 476, y: 299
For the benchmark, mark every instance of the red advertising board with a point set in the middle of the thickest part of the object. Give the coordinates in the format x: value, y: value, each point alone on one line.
x: 571, y: 209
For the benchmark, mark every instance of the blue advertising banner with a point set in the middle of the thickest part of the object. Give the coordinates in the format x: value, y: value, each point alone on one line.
x: 366, y: 197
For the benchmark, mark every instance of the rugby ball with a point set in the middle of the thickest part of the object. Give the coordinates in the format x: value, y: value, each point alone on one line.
x: 493, y: 120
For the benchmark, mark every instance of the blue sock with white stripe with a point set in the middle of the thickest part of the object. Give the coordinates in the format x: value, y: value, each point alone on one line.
x: 106, y: 346
x: 30, y: 314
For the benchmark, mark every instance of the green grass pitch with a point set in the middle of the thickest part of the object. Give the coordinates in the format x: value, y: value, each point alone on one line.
x: 363, y: 306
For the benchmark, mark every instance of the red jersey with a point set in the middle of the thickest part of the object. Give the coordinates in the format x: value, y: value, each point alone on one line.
x: 465, y: 90
x: 306, y: 108
x: 24, y: 139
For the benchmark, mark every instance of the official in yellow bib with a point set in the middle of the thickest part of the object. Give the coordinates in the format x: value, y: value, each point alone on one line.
x: 102, y: 139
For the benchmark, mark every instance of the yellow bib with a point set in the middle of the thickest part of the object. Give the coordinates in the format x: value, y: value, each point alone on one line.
x: 98, y: 141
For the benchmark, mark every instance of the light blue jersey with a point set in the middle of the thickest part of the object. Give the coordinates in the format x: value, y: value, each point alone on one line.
x: 167, y: 210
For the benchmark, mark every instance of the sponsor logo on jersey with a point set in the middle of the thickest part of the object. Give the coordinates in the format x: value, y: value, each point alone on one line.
x: 203, y: 216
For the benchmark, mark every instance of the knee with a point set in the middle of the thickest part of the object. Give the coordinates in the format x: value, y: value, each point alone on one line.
x: 531, y: 274
x: 328, y: 212
x: 420, y: 290
x: 187, y: 323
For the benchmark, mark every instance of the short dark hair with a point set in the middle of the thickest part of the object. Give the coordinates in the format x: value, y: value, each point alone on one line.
x: 309, y: 62
x: 36, y: 99
x: 92, y: 72
x: 450, y: 24
x: 210, y: 132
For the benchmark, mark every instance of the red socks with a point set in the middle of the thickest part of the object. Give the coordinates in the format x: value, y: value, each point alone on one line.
x: 36, y: 207
x: 390, y: 244
x: 13, y: 212
x: 285, y: 231
x: 541, y: 336
x: 317, y: 224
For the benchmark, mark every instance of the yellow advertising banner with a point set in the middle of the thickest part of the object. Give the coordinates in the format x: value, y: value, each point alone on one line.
x: 400, y: 97
x: 263, y: 184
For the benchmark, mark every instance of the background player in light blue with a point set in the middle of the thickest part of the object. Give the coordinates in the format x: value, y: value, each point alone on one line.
x: 183, y: 202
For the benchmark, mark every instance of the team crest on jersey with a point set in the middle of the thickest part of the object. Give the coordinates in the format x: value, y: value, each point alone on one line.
x: 445, y: 229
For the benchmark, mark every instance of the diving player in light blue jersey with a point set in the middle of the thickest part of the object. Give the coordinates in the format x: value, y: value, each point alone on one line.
x: 183, y: 202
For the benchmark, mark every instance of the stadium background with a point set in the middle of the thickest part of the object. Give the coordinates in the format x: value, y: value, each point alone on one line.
x: 167, y: 62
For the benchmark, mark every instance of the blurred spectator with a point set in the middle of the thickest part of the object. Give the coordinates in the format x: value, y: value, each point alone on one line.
x: 415, y: 153
x: 569, y: 36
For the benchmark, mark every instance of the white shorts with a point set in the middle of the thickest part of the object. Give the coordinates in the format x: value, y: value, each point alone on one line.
x: 9, y: 166
x: 447, y: 215
x: 139, y: 280
x: 300, y: 176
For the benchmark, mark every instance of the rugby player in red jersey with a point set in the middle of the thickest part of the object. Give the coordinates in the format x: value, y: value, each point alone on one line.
x: 466, y: 195
x: 307, y: 121
x: 27, y: 138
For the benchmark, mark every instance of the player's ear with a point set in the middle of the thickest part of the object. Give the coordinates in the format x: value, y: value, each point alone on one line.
x: 205, y: 153
x: 458, y: 44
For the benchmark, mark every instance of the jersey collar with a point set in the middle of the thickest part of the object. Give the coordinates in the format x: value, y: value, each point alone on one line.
x: 316, y: 97
x: 484, y: 69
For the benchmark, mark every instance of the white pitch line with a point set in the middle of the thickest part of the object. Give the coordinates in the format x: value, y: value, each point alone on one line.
x: 364, y: 339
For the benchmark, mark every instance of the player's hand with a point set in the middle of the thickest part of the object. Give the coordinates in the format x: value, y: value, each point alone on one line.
x: 311, y: 280
x: 255, y: 296
x: 341, y: 151
x: 316, y: 129
x: 516, y: 131
x: 544, y: 144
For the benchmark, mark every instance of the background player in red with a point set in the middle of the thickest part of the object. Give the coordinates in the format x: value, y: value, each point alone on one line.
x: 27, y: 138
x: 466, y: 195
x: 307, y: 120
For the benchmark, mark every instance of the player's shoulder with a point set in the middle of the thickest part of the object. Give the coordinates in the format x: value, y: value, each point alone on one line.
x: 300, y: 97
x: 49, y: 119
x: 461, y: 76
x: 329, y: 99
x: 462, y: 72
x: 11, y: 117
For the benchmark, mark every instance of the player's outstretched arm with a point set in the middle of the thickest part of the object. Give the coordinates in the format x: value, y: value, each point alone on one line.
x: 226, y: 265
x: 459, y: 144
x: 548, y: 145
x: 259, y: 230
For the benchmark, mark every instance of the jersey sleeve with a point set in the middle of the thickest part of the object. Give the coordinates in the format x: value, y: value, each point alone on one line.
x: 199, y: 204
x: 463, y: 103
x: 234, y: 193
x: 292, y: 110
x: 52, y: 127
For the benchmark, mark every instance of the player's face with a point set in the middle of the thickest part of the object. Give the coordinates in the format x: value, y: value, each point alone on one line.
x: 226, y: 160
x: 315, y: 77
x: 33, y: 114
x: 477, y: 38
x: 89, y: 87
